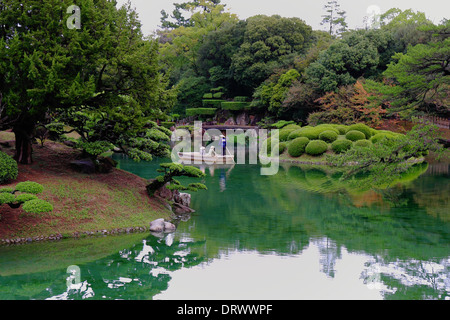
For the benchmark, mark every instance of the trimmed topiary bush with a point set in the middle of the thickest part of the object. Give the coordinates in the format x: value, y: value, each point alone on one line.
x: 340, y: 146
x: 297, y: 146
x: 284, y: 134
x: 363, y: 143
x: 316, y: 147
x: 29, y: 187
x: 8, y: 168
x: 379, y: 136
x: 37, y: 206
x: 328, y: 136
x: 361, y: 127
x: 355, y: 135
x: 292, y: 126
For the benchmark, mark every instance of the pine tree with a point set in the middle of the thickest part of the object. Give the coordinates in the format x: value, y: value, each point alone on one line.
x: 334, y: 18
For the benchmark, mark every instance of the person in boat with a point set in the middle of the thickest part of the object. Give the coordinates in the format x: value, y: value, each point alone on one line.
x: 223, y: 141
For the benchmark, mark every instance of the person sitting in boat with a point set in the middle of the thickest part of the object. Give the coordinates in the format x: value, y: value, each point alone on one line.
x: 212, y: 152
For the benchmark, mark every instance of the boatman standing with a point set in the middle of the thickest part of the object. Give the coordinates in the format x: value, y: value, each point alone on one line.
x: 224, y: 144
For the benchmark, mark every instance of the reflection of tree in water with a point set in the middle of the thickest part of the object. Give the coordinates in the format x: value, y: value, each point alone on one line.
x: 329, y: 254
x: 413, y: 279
x: 138, y: 272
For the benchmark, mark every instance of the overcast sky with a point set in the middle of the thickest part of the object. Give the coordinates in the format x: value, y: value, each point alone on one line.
x: 309, y: 10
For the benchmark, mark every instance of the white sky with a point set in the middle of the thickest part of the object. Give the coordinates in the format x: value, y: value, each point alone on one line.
x: 309, y: 10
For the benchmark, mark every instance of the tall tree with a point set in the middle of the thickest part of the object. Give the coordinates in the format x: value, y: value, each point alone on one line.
x: 334, y: 18
x: 46, y: 67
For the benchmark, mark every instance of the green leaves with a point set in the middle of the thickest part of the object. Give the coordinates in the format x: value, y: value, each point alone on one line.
x: 24, y: 193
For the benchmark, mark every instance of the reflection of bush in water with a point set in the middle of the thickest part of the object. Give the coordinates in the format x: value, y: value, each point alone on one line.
x: 316, y: 177
x: 328, y: 179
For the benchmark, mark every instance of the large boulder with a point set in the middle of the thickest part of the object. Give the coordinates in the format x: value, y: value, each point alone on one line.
x: 179, y: 209
x: 230, y: 122
x: 160, y: 226
x: 183, y: 199
x: 83, y: 166
x: 242, y: 119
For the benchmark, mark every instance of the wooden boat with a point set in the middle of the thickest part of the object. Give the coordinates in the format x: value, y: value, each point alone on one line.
x: 209, y: 158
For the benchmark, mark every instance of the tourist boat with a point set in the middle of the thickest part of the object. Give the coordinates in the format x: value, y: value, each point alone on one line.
x: 209, y: 158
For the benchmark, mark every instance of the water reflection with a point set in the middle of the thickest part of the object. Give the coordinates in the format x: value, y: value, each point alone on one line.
x: 302, y: 234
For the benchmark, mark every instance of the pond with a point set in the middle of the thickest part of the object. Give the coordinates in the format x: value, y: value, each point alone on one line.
x: 300, y: 234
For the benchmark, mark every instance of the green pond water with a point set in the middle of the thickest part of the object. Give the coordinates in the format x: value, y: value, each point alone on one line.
x: 301, y: 234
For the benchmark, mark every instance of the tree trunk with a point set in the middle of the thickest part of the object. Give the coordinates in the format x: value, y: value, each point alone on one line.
x: 24, y: 134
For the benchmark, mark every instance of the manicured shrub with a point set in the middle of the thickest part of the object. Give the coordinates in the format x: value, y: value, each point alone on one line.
x: 24, y: 197
x: 328, y: 136
x: 208, y: 103
x: 29, y: 187
x: 355, y: 135
x: 340, y: 146
x: 240, y: 99
x: 379, y: 136
x: 8, y: 168
x: 234, y: 105
x: 307, y: 132
x: 200, y: 111
x: 297, y: 146
x: 218, y: 95
x: 322, y: 127
x: 343, y: 129
x: 281, y: 147
x: 362, y: 128
x: 292, y: 126
x: 284, y: 134
x: 6, y: 198
x: 208, y: 96
x: 316, y: 147
x: 282, y: 123
x: 363, y: 143
x: 37, y: 206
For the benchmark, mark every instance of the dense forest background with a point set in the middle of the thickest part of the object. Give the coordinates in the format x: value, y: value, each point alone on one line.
x: 280, y: 68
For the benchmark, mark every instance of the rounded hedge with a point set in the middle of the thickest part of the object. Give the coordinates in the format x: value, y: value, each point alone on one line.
x: 8, y: 168
x: 297, y: 146
x: 282, y: 147
x: 29, y: 187
x: 361, y: 127
x: 6, y: 198
x: 355, y: 135
x: 328, y: 136
x: 379, y: 136
x: 340, y: 146
x: 37, y: 206
x: 363, y: 143
x: 284, y: 134
x: 316, y: 147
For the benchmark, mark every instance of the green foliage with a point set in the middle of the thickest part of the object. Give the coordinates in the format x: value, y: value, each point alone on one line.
x: 354, y: 135
x: 29, y: 187
x: 312, y: 133
x: 208, y: 95
x: 362, y: 143
x: 241, y: 99
x: 95, y: 148
x: 380, y: 136
x: 212, y: 103
x: 362, y: 128
x: 297, y: 146
x: 390, y: 157
x: 284, y: 134
x: 316, y: 147
x: 172, y: 170
x: 26, y: 197
x: 421, y: 74
x: 201, y: 111
x: 328, y: 136
x: 282, y: 123
x: 235, y: 105
x: 8, y: 168
x: 340, y: 146
x: 37, y: 206
x: 6, y: 198
x: 267, y: 41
